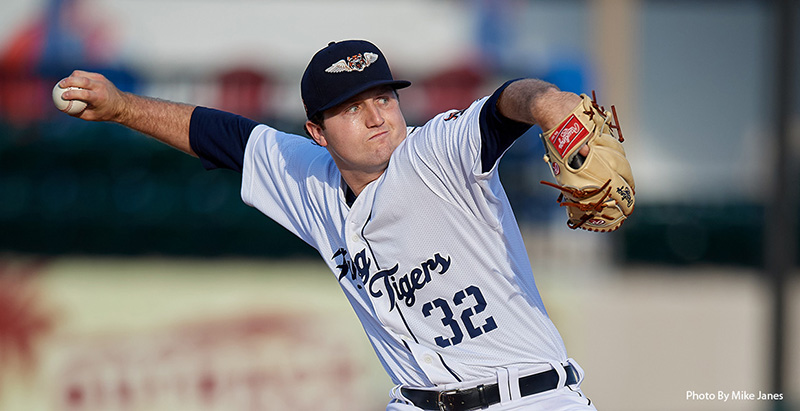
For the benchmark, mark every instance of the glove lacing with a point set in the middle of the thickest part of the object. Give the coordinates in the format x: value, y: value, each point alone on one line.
x: 580, y: 194
x: 601, y: 109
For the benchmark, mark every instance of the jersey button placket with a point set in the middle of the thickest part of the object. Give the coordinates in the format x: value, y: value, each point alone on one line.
x: 352, y: 235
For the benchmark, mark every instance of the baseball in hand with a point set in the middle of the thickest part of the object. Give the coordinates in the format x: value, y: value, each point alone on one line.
x: 71, y: 107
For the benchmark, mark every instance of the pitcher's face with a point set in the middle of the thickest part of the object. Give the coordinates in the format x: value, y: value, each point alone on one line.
x: 362, y: 133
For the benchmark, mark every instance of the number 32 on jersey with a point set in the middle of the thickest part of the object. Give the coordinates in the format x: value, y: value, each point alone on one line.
x: 471, y: 302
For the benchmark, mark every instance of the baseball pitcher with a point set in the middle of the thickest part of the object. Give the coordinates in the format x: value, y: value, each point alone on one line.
x: 413, y: 221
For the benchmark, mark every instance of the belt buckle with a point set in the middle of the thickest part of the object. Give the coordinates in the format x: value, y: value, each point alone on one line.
x: 442, y: 405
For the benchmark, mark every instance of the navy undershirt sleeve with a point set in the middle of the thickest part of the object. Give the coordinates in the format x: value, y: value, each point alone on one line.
x: 219, y: 138
x: 497, y: 131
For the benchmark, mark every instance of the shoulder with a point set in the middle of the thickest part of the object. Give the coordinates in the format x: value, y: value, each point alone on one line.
x: 266, y: 137
x: 454, y: 122
x: 289, y: 154
x: 448, y: 141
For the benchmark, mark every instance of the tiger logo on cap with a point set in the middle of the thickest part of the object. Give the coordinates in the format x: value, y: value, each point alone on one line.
x: 354, y: 63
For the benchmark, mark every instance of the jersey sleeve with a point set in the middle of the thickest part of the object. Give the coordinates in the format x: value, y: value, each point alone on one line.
x: 290, y: 180
x: 498, y: 132
x: 219, y: 138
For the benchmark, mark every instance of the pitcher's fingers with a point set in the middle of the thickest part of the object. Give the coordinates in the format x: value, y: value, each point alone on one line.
x: 75, y: 80
x: 86, y: 95
x: 83, y: 79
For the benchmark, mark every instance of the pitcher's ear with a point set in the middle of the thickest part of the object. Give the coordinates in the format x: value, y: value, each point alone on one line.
x: 316, y: 132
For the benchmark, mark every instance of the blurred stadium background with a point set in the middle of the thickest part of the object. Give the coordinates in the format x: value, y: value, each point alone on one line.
x: 132, y: 279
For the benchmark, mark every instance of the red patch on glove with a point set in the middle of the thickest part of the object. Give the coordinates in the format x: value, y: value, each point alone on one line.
x: 568, y: 135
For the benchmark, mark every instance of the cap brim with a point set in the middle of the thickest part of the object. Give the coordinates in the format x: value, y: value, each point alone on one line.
x: 395, y: 84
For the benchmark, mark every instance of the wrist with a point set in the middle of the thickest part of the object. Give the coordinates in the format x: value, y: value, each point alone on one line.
x: 123, y: 111
x: 552, y: 106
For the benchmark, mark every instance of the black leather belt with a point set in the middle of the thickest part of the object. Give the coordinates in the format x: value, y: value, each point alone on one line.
x: 483, y: 396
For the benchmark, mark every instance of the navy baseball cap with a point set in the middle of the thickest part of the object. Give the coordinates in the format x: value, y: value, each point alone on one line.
x: 342, y: 70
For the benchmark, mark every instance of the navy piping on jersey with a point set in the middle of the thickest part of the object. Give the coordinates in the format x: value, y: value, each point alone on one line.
x: 219, y: 138
x: 378, y: 267
x: 363, y: 235
x: 399, y: 311
x: 450, y: 370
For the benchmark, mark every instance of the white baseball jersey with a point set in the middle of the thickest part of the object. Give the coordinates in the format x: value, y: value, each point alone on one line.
x: 429, y: 255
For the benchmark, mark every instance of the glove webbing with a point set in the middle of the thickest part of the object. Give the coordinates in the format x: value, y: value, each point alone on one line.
x: 581, y: 194
x: 598, y: 107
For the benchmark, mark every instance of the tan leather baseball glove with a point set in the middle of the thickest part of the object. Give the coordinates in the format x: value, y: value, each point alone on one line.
x: 598, y: 190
